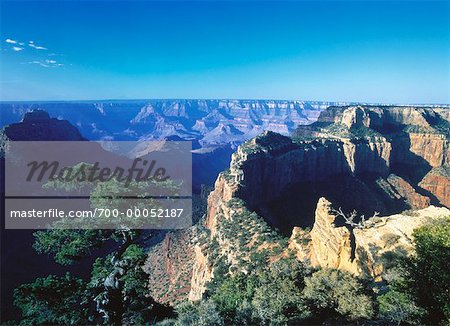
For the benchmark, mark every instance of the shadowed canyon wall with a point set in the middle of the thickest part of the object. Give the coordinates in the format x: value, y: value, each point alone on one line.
x: 383, y: 159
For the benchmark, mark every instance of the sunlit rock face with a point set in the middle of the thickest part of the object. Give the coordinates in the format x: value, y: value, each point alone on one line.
x: 364, y: 158
x: 389, y: 160
x: 437, y: 182
x: 365, y: 251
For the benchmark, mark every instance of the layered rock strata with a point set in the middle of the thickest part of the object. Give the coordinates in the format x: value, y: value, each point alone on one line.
x: 384, y: 159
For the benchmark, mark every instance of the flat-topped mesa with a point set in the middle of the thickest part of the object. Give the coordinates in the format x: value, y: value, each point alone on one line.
x: 382, y: 118
x: 417, y: 133
x: 268, y: 165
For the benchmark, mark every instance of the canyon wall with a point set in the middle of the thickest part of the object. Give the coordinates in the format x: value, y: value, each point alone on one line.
x: 385, y: 159
x: 266, y: 171
x: 213, y: 122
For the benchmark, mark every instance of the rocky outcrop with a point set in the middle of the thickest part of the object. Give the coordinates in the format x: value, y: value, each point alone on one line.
x: 271, y: 170
x: 433, y: 148
x: 217, y: 204
x: 223, y: 192
x: 365, y: 251
x: 235, y: 238
x: 202, y: 273
x: 403, y: 141
x: 399, y: 189
x: 38, y: 125
x: 266, y: 171
x: 385, y: 117
x: 330, y: 247
x: 169, y: 266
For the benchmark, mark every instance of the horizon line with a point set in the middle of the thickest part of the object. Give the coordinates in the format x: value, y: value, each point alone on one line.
x: 227, y: 99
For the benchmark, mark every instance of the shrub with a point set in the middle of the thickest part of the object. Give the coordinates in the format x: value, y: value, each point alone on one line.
x: 336, y: 294
x: 52, y: 300
x: 203, y: 313
x: 396, y: 308
x: 426, y: 275
x: 278, y: 296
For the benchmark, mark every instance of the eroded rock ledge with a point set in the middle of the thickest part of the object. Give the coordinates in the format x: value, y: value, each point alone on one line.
x: 366, y: 251
x: 383, y: 159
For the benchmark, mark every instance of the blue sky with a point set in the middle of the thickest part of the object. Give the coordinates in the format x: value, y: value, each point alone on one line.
x: 381, y: 51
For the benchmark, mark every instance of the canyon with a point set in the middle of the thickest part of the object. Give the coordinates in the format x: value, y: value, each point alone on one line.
x: 215, y: 127
x: 211, y: 122
x: 283, y: 188
x: 390, y: 163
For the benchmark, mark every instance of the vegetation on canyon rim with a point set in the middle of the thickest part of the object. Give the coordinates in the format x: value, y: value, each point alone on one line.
x: 262, y: 282
x: 288, y: 292
x: 278, y: 293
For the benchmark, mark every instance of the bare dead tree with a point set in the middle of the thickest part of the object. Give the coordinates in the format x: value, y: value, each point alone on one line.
x: 353, y: 220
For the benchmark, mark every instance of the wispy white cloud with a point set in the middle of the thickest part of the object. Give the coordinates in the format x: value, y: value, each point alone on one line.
x: 47, y: 63
x: 30, y: 44
x: 34, y: 46
x: 40, y: 63
x: 41, y: 58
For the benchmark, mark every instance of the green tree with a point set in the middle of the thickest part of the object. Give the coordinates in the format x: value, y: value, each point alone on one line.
x: 204, y: 313
x: 68, y: 246
x: 120, y: 287
x: 232, y: 293
x: 278, y: 296
x: 426, y: 274
x: 397, y: 307
x: 52, y: 301
x: 269, y: 295
x: 333, y: 294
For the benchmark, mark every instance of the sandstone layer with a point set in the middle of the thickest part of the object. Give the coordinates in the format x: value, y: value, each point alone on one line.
x: 364, y: 251
x: 381, y: 159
